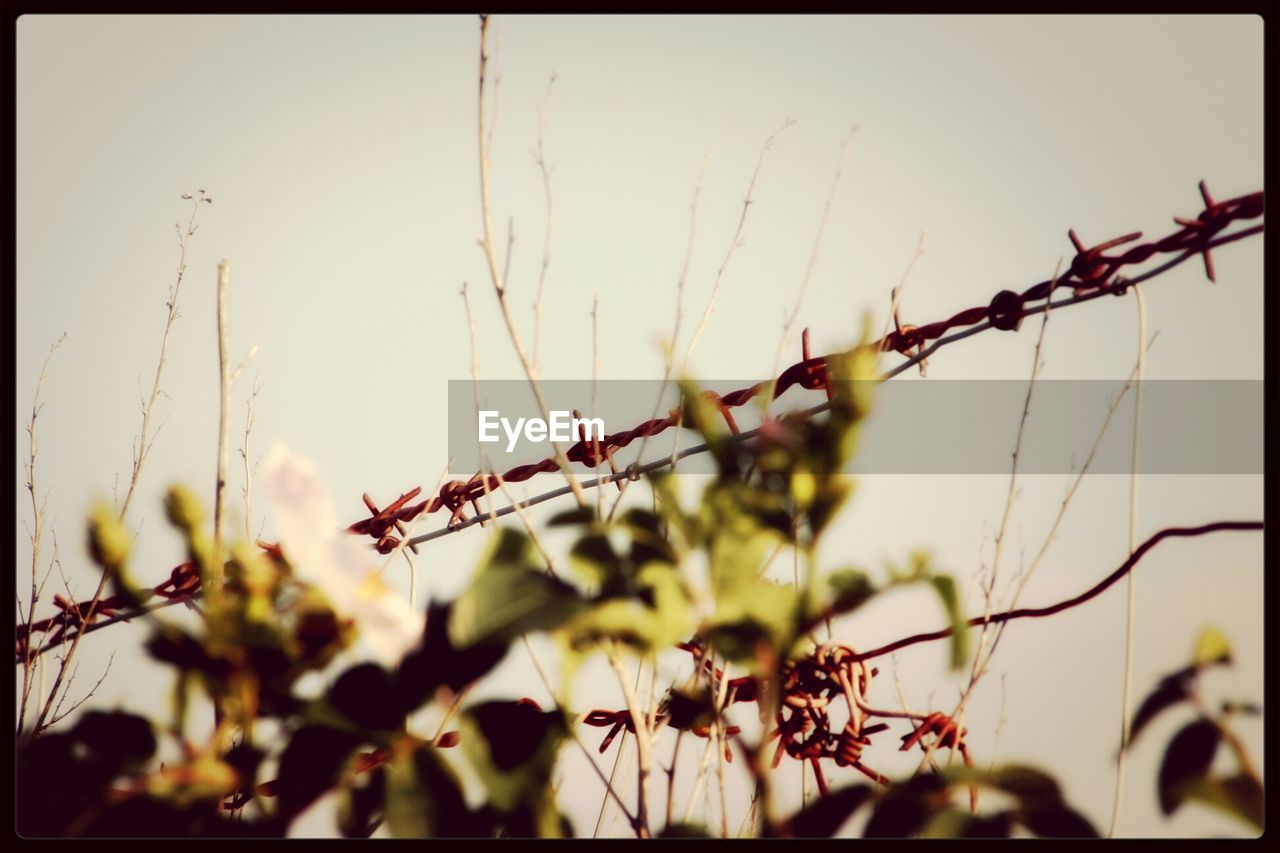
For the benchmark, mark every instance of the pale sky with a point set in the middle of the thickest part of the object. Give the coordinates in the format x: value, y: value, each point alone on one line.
x: 341, y: 154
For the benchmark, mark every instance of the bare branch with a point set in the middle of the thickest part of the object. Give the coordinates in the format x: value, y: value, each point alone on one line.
x: 247, y: 489
x: 734, y: 243
x: 224, y: 423
x: 36, y: 532
x: 813, y: 254
x: 1130, y: 583
x: 491, y: 257
x: 541, y: 159
x: 140, y: 453
x: 86, y: 697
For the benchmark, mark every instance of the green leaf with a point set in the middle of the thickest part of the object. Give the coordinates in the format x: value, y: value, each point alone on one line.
x: 759, y: 612
x: 435, y: 662
x: 311, y: 765
x: 1186, y: 762
x: 658, y: 616
x: 1248, y: 709
x: 593, y: 558
x: 1032, y: 787
x: 360, y: 809
x: 664, y: 486
x: 170, y: 644
x: 1060, y: 821
x: 63, y: 773
x: 904, y: 809
x: 513, y: 747
x: 121, y: 741
x: 366, y: 695
x: 955, y: 823
x: 855, y: 377
x: 1040, y: 805
x: 850, y: 589
x: 510, y: 596
x: 423, y: 798
x: 1171, y: 690
x: 1212, y: 647
x: 1240, y: 796
x: 700, y: 414
x: 571, y: 517
x: 641, y: 520
x: 683, y: 830
x: 945, y: 586
x: 832, y: 493
x: 823, y: 817
x: 649, y: 541
x: 688, y: 708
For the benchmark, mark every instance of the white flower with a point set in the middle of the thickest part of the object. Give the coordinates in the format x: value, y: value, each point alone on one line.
x: 323, y: 553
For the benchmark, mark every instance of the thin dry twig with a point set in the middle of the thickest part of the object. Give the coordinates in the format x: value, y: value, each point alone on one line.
x: 1012, y: 494
x: 31, y: 661
x: 541, y: 159
x: 644, y: 745
x: 995, y: 740
x: 813, y: 254
x: 716, y: 739
x: 669, y: 355
x: 980, y: 662
x: 144, y: 444
x: 472, y: 336
x: 895, y: 299
x: 249, y: 470
x: 718, y: 733
x: 595, y: 400
x: 577, y: 738
x: 618, y: 764
x: 734, y: 243
x: 1130, y: 582
x: 59, y: 714
x: 224, y: 424
x: 491, y: 257
x: 486, y: 466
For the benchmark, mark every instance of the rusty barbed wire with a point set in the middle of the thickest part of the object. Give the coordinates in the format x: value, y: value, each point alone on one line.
x: 181, y: 587
x: 1091, y: 274
x: 810, y: 687
x: 183, y: 584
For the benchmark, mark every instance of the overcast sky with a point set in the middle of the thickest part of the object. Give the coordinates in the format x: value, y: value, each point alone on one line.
x: 341, y: 155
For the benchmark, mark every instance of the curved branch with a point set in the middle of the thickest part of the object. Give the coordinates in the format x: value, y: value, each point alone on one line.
x: 1091, y: 593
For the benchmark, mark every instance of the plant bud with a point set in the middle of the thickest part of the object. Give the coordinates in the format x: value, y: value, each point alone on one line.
x: 183, y: 508
x: 108, y: 540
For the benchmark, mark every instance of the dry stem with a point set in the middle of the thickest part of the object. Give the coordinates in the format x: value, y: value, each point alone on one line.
x: 495, y: 274
x: 1130, y: 588
x: 30, y: 660
x: 813, y: 254
x: 747, y: 201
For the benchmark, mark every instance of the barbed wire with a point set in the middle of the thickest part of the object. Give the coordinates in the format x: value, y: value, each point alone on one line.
x: 1092, y: 274
x: 182, y: 585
